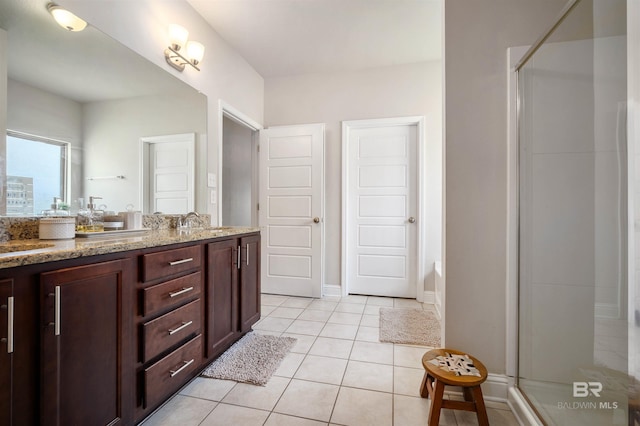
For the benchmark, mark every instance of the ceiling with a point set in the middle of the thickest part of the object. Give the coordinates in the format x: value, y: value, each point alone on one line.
x: 290, y: 37
x: 277, y: 37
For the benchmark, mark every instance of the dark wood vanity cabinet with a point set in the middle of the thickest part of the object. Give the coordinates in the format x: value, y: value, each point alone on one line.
x: 107, y: 339
x: 86, y: 345
x: 222, y: 295
x: 233, y: 290
x: 249, y: 299
x: 169, y: 324
x: 6, y: 350
x: 19, y: 349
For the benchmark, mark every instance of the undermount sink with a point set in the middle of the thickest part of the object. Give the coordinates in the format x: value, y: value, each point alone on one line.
x: 10, y: 248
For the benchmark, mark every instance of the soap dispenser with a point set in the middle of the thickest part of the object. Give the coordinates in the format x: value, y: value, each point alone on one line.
x: 90, y: 219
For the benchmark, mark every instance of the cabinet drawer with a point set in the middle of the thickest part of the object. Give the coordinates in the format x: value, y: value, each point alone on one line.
x: 169, y: 329
x: 170, y: 262
x: 167, y: 375
x: 170, y: 293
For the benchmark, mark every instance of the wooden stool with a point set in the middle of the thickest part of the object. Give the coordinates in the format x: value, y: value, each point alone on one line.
x: 473, y: 400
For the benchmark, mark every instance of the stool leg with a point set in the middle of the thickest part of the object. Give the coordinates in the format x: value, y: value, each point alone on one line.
x: 468, y: 395
x: 481, y: 410
x: 424, y: 392
x: 436, y: 404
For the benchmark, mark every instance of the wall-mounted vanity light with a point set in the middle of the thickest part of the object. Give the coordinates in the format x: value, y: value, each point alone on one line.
x: 178, y: 44
x: 66, y: 19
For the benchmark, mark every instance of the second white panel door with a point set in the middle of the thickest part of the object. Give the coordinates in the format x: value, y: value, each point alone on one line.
x: 382, y: 210
x: 291, y: 209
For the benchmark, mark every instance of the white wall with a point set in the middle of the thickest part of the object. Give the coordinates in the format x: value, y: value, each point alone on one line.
x: 476, y: 42
x: 112, y: 132
x: 404, y: 90
x: 236, y: 174
x: 142, y: 26
x: 3, y: 120
x: 42, y: 113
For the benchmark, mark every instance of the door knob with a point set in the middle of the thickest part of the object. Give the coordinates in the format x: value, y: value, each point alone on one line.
x: 316, y: 220
x: 412, y: 219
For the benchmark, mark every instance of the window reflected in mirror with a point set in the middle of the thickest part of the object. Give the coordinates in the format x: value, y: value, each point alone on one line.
x: 37, y: 174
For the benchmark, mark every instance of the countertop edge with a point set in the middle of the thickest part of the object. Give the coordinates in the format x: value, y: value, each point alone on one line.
x: 84, y: 247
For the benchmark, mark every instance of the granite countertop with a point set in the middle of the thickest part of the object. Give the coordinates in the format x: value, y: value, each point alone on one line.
x: 34, y: 251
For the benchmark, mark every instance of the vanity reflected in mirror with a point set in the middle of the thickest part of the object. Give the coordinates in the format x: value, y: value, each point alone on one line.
x: 86, y: 116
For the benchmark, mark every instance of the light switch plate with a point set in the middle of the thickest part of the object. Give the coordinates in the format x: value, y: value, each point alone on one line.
x: 212, y: 181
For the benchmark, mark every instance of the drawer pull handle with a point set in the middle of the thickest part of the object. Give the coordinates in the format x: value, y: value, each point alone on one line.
x: 185, y: 364
x: 179, y: 292
x: 178, y: 262
x: 183, y: 326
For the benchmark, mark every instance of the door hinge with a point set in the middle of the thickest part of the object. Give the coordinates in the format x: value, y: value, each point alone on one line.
x: 258, y: 146
x: 257, y: 206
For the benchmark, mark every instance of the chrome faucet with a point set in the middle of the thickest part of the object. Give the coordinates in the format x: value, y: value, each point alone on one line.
x: 185, y: 220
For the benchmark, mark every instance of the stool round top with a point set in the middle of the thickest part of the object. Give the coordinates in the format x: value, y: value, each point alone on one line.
x: 448, y: 377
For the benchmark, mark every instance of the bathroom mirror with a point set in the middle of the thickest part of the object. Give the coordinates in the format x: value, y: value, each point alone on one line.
x: 107, y: 106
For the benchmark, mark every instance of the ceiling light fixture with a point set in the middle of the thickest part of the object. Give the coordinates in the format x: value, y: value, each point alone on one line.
x: 66, y: 19
x: 178, y: 43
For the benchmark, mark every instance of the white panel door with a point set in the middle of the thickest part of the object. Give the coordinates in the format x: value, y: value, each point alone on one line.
x: 381, y: 210
x: 291, y: 209
x: 172, y: 174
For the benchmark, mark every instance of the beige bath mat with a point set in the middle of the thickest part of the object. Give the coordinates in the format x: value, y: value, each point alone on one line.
x: 252, y: 359
x: 409, y: 326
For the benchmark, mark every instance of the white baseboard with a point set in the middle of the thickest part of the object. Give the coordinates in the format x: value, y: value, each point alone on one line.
x: 495, y: 388
x: 429, y: 297
x: 332, y: 290
x: 521, y: 409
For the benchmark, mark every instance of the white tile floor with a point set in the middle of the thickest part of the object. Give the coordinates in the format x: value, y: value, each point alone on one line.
x: 337, y: 374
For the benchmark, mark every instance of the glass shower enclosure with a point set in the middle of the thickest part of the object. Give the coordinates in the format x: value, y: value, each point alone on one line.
x: 573, y: 231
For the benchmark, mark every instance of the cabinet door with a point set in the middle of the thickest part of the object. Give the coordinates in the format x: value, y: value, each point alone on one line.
x: 222, y: 295
x: 85, y: 345
x: 6, y: 349
x: 249, y: 282
x: 19, y: 349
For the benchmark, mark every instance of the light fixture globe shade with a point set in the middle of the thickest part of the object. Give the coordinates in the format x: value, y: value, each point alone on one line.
x: 178, y: 36
x: 195, y: 52
x: 66, y: 19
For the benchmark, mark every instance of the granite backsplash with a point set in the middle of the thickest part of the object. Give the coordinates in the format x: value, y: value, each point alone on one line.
x: 26, y: 228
